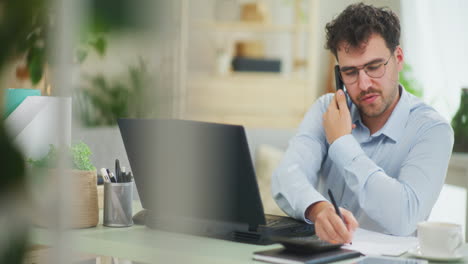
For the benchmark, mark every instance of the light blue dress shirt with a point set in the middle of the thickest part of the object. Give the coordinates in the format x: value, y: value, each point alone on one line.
x: 389, y: 180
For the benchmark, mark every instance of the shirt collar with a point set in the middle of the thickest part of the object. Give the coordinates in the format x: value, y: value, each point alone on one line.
x: 394, y: 126
x: 355, y: 116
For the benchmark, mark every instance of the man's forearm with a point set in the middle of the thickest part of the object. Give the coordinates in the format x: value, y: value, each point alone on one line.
x: 294, y: 181
x: 396, y: 202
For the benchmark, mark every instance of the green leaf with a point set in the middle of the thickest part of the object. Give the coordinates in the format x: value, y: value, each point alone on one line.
x: 98, y: 25
x: 411, y: 85
x: 36, y: 61
x: 81, y: 153
x: 81, y: 55
x: 103, y: 100
x: 31, y: 40
x: 100, y: 45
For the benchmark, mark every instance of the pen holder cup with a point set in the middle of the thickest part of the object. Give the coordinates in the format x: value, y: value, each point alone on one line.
x: 118, y: 204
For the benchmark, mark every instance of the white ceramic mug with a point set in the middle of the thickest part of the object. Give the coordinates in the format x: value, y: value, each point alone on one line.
x: 440, y: 239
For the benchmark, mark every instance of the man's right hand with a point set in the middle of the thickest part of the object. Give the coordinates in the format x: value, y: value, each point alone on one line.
x: 329, y: 226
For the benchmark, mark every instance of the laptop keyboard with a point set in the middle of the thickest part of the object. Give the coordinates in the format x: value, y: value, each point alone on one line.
x: 308, y: 238
x: 281, y: 221
x: 286, y: 226
x: 272, y: 222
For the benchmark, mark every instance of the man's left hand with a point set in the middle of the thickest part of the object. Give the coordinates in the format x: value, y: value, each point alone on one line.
x: 337, y: 119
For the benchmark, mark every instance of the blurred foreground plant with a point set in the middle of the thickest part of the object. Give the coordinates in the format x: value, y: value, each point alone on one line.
x: 17, y: 20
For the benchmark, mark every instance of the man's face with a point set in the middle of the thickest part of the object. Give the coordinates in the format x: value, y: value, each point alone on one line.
x: 372, y: 96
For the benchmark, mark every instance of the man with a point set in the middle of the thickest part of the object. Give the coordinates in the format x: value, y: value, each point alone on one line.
x: 384, y: 159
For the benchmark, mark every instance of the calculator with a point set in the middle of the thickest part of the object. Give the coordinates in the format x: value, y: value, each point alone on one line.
x: 305, y: 244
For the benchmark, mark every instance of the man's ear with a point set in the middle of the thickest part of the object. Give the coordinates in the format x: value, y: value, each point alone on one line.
x: 400, y: 58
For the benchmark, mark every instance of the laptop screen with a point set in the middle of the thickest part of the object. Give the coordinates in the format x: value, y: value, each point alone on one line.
x: 193, y: 170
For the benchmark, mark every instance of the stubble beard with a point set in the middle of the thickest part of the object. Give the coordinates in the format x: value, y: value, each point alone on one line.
x: 379, y: 106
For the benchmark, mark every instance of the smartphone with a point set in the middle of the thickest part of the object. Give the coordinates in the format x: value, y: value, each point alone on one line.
x: 340, y: 85
x: 389, y: 260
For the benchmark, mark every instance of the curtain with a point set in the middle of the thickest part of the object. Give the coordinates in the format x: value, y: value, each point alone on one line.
x: 435, y: 43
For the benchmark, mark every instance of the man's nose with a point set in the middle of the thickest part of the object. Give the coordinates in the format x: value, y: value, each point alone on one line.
x: 364, y: 80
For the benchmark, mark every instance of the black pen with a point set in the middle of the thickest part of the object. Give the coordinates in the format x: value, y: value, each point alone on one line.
x: 111, y: 175
x: 337, y: 210
x: 118, y: 170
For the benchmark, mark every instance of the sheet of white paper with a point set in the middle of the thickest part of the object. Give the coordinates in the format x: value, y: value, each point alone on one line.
x: 39, y: 121
x: 373, y: 243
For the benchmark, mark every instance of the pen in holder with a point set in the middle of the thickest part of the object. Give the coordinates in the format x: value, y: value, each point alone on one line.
x: 118, y: 204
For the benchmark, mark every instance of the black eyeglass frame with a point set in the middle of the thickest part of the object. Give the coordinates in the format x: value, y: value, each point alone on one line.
x: 363, y: 67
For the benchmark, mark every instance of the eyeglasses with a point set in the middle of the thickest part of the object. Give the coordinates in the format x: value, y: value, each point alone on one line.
x: 372, y: 69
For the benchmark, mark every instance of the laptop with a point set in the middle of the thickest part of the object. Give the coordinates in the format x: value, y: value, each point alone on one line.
x: 198, y: 178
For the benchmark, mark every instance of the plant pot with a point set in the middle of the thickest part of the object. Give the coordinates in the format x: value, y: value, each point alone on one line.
x: 82, y: 207
x: 460, y: 124
x: 84, y: 202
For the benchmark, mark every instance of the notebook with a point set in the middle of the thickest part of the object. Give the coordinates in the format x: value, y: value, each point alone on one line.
x: 198, y: 178
x: 283, y: 256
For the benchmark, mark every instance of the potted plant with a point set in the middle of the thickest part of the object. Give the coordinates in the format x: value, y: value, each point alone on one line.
x: 83, y: 185
x: 460, y: 124
x: 407, y: 80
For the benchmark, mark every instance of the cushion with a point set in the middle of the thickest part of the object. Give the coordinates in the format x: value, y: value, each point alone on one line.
x: 267, y: 159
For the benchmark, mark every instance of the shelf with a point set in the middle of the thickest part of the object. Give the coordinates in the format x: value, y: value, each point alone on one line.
x: 257, y: 99
x: 250, y: 99
x: 252, y: 27
x: 250, y: 77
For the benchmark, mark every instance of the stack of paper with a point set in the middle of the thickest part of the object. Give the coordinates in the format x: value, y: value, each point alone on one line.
x: 373, y: 243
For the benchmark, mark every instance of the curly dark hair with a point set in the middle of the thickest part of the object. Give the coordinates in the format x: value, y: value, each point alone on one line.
x: 358, y: 22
